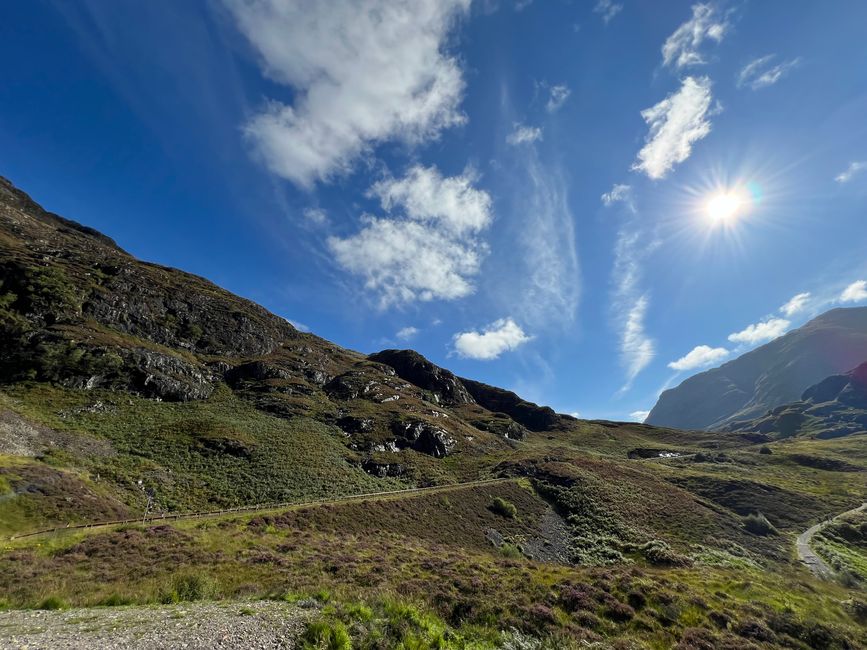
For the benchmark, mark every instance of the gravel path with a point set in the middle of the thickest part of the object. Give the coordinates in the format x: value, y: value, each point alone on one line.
x: 808, y: 556
x: 257, y: 625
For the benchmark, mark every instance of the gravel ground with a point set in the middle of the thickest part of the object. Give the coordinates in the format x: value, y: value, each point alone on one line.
x: 257, y: 625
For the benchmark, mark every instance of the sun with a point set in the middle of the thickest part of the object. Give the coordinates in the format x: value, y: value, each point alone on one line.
x: 724, y: 206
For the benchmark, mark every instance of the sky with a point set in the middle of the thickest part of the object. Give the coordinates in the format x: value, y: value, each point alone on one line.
x: 582, y: 201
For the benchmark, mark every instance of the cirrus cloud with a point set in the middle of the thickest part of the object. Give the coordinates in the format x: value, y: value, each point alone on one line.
x: 849, y: 173
x: 683, y: 47
x: 523, y: 134
x: 500, y: 336
x: 759, y: 73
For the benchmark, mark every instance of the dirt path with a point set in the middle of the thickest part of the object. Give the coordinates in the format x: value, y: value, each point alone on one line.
x: 258, y: 625
x: 808, y: 556
x: 268, y: 507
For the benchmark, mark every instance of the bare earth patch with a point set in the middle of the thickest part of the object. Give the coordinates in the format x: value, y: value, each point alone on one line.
x: 257, y: 625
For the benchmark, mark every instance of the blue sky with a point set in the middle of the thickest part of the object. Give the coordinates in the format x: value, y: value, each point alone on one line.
x: 581, y: 201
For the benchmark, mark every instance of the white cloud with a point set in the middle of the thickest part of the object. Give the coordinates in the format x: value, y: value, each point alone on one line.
x: 425, y: 195
x: 316, y: 216
x: 796, y: 305
x: 683, y: 47
x: 855, y: 292
x: 675, y: 124
x: 853, y: 168
x: 362, y: 72
x: 524, y: 134
x: 761, y: 332
x: 619, y: 193
x: 430, y: 249
x: 700, y: 356
x: 637, y: 349
x: 498, y: 337
x: 559, y: 94
x: 607, y: 9
x: 759, y: 73
x: 407, y: 333
x: 301, y: 327
x: 639, y: 416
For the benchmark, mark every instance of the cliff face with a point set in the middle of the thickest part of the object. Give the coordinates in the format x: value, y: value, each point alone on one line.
x: 769, y: 376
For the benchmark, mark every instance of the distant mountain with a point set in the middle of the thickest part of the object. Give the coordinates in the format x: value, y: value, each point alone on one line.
x: 769, y: 376
x: 834, y: 407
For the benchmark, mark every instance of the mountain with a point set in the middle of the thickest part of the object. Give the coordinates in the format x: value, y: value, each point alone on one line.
x: 834, y: 407
x: 769, y: 376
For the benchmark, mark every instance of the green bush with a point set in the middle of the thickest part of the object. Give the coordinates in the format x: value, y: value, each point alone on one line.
x: 511, y: 551
x: 503, y: 508
x: 187, y: 587
x: 326, y: 635
x: 52, y: 603
x: 758, y: 524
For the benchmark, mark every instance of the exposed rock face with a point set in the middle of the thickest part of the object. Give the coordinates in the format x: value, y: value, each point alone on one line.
x: 498, y: 400
x: 769, y: 376
x: 836, y: 406
x: 413, y: 367
x: 423, y: 437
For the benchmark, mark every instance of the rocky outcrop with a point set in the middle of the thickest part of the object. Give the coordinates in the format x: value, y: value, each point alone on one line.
x: 445, y: 387
x: 424, y: 437
x: 498, y: 400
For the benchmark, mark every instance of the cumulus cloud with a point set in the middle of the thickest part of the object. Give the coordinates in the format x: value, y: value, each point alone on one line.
x: 639, y: 416
x: 407, y: 333
x: 425, y: 195
x: 362, y: 72
x: 796, y: 304
x: 683, y: 47
x: 607, y: 9
x: 676, y: 122
x: 853, y: 169
x: 428, y: 247
x: 855, y: 292
x: 619, y: 193
x: 524, y: 134
x: 700, y: 356
x: 760, y: 332
x: 760, y: 73
x: 558, y: 96
x: 500, y: 336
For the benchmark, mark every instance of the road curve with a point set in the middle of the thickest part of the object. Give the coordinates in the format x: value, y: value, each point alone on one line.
x: 818, y: 567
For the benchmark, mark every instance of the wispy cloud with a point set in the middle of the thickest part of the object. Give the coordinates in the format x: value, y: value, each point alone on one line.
x: 558, y: 96
x: 683, y: 47
x: 428, y: 247
x: 796, y: 304
x: 760, y: 73
x: 760, y: 332
x: 855, y: 292
x: 619, y: 193
x: 637, y: 349
x: 500, y: 336
x: 607, y: 9
x: 851, y: 171
x: 700, y: 356
x: 676, y: 123
x: 301, y: 327
x: 362, y: 73
x: 316, y: 216
x: 522, y: 134
x: 407, y: 333
x: 639, y: 416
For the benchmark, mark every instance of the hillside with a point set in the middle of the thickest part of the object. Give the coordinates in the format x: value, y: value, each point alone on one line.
x: 834, y: 407
x: 769, y: 376
x: 135, y: 392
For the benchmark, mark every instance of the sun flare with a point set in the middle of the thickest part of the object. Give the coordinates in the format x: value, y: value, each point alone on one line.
x: 724, y: 206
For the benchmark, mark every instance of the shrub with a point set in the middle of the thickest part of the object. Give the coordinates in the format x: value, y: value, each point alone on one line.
x: 326, y: 635
x: 114, y: 600
x: 758, y: 524
x: 511, y: 551
x: 52, y: 602
x: 187, y: 587
x: 658, y: 552
x: 503, y: 508
x: 765, y: 450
